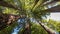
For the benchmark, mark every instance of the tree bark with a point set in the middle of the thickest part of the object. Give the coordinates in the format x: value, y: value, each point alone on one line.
x: 7, y: 19
x: 49, y: 31
x: 53, y: 9
x: 27, y: 27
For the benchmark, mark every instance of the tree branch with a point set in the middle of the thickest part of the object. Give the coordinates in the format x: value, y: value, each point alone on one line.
x: 53, y: 9
x: 6, y: 4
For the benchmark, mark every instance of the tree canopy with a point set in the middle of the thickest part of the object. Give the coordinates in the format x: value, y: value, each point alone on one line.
x: 36, y: 9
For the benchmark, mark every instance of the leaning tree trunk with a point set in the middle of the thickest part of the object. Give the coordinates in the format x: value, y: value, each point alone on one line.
x: 49, y: 31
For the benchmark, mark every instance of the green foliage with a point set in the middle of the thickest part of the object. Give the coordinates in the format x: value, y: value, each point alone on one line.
x: 30, y: 10
x: 37, y: 29
x: 55, y: 25
x: 29, y: 7
x: 10, y: 11
x: 10, y: 1
x: 38, y: 13
x: 8, y: 29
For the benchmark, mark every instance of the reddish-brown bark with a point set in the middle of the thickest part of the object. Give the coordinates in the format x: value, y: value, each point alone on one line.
x: 7, y: 19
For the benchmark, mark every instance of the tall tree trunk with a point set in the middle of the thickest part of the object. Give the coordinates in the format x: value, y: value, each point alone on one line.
x: 27, y: 27
x: 49, y: 31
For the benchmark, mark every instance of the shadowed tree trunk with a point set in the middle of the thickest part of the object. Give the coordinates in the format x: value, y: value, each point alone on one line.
x: 6, y: 19
x: 27, y: 27
x: 49, y: 31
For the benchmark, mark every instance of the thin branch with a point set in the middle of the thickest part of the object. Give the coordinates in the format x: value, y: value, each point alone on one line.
x: 38, y: 3
x: 53, y: 1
